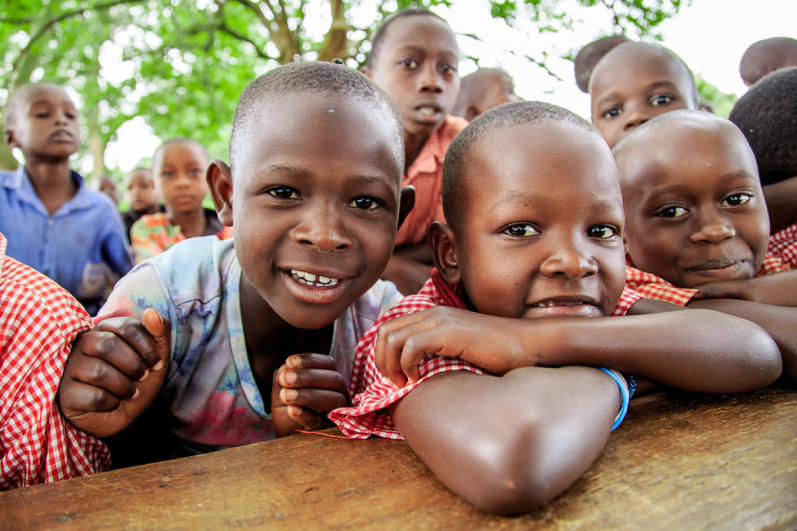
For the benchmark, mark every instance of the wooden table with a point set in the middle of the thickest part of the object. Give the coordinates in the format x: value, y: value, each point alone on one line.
x: 678, y: 462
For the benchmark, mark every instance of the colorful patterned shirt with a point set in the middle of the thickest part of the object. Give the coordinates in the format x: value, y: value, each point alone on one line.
x: 783, y: 245
x: 373, y: 393
x: 39, y: 321
x: 154, y: 233
x: 426, y: 175
x: 210, y: 396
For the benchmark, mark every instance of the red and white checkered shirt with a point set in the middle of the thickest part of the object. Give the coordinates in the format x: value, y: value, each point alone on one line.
x: 654, y: 287
x: 38, y: 322
x: 783, y: 245
x: 373, y: 393
x: 426, y: 175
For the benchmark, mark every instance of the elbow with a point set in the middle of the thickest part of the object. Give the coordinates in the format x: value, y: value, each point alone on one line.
x: 760, y: 362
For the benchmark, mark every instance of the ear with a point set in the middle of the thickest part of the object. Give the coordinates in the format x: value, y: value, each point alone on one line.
x: 366, y: 71
x: 8, y: 138
x: 471, y: 113
x: 406, y: 203
x: 444, y: 253
x: 219, y: 179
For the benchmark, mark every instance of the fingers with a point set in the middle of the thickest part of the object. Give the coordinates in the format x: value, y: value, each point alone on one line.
x: 102, y: 376
x: 309, y: 419
x: 107, y: 347
x: 81, y: 398
x: 322, y: 400
x: 396, y: 364
x: 311, y: 361
x: 313, y: 378
x: 133, y: 333
x: 161, y: 332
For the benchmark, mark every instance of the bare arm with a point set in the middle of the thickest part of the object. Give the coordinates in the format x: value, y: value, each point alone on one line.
x: 781, y: 201
x: 779, y: 322
x: 779, y: 289
x: 508, y: 444
x: 694, y: 350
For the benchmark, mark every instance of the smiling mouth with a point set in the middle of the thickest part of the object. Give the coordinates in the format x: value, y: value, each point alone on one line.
x: 552, y: 304
x: 717, y: 267
x: 315, y: 281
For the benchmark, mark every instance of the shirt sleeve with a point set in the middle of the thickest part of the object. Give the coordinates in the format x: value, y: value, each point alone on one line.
x: 651, y: 286
x: 115, y: 250
x: 368, y: 413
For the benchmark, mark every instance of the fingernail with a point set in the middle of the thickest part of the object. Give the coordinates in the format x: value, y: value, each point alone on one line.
x: 135, y: 395
x: 290, y: 377
x: 392, y: 384
x: 158, y: 366
x: 146, y: 373
x: 290, y: 395
x: 160, y: 317
x: 294, y: 362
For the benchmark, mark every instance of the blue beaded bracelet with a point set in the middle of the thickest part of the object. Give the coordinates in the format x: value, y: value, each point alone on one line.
x: 624, y: 392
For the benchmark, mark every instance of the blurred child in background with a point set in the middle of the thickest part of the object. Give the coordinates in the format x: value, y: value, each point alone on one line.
x: 142, y: 196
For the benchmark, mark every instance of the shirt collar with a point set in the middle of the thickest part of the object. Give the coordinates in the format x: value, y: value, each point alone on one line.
x: 431, y: 155
x: 25, y: 192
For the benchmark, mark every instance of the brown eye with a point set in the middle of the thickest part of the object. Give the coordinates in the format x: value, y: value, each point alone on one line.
x: 736, y: 200
x: 364, y: 203
x: 521, y: 230
x: 284, y: 192
x: 672, y: 212
x: 602, y: 232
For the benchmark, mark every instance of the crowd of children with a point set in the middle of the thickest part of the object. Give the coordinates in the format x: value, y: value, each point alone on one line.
x: 541, y: 256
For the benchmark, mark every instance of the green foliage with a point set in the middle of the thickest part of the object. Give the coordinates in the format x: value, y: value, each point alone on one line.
x: 189, y: 60
x: 720, y: 102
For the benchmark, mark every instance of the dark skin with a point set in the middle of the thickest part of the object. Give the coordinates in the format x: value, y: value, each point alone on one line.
x: 417, y: 67
x: 302, y: 205
x: 540, y: 276
x: 634, y: 83
x: 482, y: 90
x: 140, y: 191
x: 701, y: 222
x: 781, y: 204
x: 44, y: 126
x: 180, y: 167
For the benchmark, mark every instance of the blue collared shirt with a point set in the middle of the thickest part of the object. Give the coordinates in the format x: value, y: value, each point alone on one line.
x: 75, y: 246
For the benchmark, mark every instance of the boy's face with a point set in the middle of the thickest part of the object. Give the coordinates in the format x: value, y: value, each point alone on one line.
x: 45, y: 124
x: 140, y: 191
x: 693, y: 201
x: 631, y: 86
x: 540, y: 234
x: 180, y: 168
x: 315, y: 204
x: 417, y: 67
x: 499, y: 89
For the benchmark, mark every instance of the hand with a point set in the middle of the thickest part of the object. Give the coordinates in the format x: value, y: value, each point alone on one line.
x: 483, y: 340
x: 305, y: 389
x: 114, y: 372
x: 777, y: 289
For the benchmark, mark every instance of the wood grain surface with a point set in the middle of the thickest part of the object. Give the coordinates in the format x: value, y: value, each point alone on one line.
x: 678, y: 462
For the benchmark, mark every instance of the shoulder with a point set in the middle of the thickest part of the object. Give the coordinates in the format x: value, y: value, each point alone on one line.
x: 30, y: 300
x: 194, y: 269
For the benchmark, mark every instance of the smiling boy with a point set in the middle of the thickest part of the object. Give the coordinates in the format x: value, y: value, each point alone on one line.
x: 54, y: 223
x: 313, y: 192
x: 634, y: 82
x: 414, y: 59
x: 519, y: 269
x: 697, y: 227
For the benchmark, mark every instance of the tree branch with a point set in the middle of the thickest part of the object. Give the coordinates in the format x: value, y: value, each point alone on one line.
x: 49, y: 25
x: 223, y: 27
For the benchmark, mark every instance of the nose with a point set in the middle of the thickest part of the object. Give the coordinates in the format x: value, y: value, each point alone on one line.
x: 567, y: 258
x: 634, y: 118
x: 429, y: 80
x: 324, y: 229
x: 60, y: 117
x: 713, y: 228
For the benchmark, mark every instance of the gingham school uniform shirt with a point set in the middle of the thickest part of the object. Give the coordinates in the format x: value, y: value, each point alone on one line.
x: 373, y: 393
x: 783, y: 245
x: 210, y: 398
x: 426, y: 175
x: 38, y: 322
x: 654, y: 287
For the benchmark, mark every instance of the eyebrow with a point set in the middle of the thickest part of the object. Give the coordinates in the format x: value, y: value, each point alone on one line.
x: 301, y: 172
x: 677, y: 187
x: 655, y: 84
x: 420, y: 49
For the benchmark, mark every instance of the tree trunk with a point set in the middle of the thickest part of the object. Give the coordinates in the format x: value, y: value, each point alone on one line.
x: 97, y: 147
x: 336, y: 43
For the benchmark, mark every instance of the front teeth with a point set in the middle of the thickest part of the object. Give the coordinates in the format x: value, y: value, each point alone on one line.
x: 428, y: 111
x: 310, y: 279
x: 551, y: 304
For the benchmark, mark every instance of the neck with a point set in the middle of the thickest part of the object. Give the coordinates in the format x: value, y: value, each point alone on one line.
x: 52, y: 182
x: 192, y: 223
x: 412, y: 148
x: 154, y: 209
x: 269, y: 336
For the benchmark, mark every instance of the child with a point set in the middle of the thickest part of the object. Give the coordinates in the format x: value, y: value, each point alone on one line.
x: 314, y: 230
x: 589, y: 55
x: 141, y: 196
x: 180, y: 166
x: 767, y: 115
x: 515, y: 253
x: 414, y: 58
x: 482, y: 90
x: 697, y: 224
x: 38, y: 322
x: 54, y: 223
x: 634, y: 82
x: 108, y: 187
x: 764, y: 57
